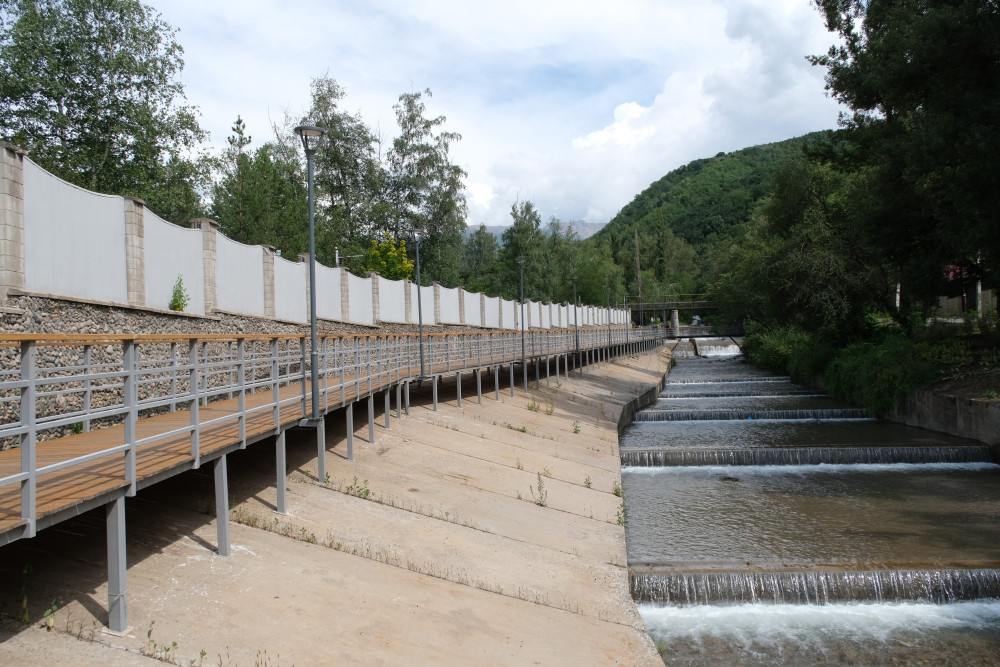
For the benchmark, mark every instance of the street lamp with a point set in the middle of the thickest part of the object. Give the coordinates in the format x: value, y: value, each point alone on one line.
x: 420, y: 311
x: 312, y: 137
x: 524, y: 362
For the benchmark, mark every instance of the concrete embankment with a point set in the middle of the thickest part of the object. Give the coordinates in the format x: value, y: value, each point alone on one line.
x: 957, y: 415
x: 481, y: 534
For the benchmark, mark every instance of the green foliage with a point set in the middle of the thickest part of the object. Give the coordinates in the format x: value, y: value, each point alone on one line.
x: 91, y: 89
x: 878, y: 375
x: 179, y: 298
x: 358, y: 490
x: 922, y: 80
x: 388, y: 259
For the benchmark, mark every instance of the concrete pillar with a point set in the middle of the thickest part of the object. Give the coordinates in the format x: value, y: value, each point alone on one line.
x: 135, y: 251
x: 376, y: 312
x: 303, y: 258
x: 268, y: 269
x: 11, y: 218
x: 209, y: 229
x: 461, y: 305
x: 345, y: 295
x: 437, y: 302
x: 408, y: 303
x: 675, y: 322
x: 482, y: 309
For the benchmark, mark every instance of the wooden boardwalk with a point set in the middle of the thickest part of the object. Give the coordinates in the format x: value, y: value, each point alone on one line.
x: 64, y: 490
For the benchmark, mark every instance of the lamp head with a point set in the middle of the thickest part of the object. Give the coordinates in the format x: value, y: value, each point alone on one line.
x: 312, y: 137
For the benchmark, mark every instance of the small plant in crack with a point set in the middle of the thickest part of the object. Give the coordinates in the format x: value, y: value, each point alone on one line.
x: 358, y: 490
x: 541, y: 499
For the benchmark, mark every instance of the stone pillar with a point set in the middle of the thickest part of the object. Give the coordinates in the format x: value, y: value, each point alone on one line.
x: 11, y: 218
x: 408, y: 301
x: 268, y: 269
x: 303, y: 258
x: 209, y: 228
x: 345, y: 294
x: 437, y: 302
x: 482, y: 310
x: 376, y: 310
x: 461, y: 305
x: 675, y: 322
x: 135, y: 251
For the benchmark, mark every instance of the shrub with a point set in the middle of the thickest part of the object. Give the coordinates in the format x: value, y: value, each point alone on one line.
x: 877, y: 375
x: 179, y: 298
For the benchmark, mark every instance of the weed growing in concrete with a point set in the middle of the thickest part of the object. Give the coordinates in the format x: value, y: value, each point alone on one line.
x: 533, y: 406
x: 550, y: 408
x: 49, y: 617
x: 518, y: 464
x: 989, y: 394
x: 586, y: 482
x: 542, y: 498
x: 161, y: 652
x: 546, y: 472
x: 622, y: 515
x: 522, y: 429
x: 358, y: 490
x: 616, y: 489
x: 576, y: 426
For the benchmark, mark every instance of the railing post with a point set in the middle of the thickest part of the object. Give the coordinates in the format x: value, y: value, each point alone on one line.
x: 194, y: 384
x: 87, y: 362
x: 29, y: 487
x: 173, y: 378
x: 242, y: 384
x: 131, y: 396
x: 304, y: 375
x: 275, y: 384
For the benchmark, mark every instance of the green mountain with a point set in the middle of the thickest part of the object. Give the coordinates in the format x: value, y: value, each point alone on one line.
x: 705, y: 199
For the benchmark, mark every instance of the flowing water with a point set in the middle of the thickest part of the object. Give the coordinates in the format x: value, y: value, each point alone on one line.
x: 769, y: 524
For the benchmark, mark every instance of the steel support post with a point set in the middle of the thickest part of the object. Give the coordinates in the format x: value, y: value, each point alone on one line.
x: 406, y: 390
x: 537, y: 371
x: 321, y: 448
x: 399, y: 407
x: 434, y: 384
x: 388, y: 408
x: 496, y: 382
x: 280, y: 464
x: 512, y: 379
x: 222, y: 505
x: 479, y: 385
x: 371, y: 419
x: 349, y: 418
x: 548, y: 377
x: 117, y: 601
x: 557, y: 368
x: 458, y: 388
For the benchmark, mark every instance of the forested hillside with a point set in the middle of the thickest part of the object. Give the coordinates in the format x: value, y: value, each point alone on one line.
x: 679, y: 222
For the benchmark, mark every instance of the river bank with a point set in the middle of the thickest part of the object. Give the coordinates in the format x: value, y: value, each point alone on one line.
x: 485, y: 534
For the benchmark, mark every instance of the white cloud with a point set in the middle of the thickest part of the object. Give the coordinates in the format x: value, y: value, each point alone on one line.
x: 577, y: 106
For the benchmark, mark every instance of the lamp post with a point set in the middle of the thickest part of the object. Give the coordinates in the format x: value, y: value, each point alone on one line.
x: 524, y: 361
x: 312, y: 137
x: 420, y: 310
x: 576, y: 323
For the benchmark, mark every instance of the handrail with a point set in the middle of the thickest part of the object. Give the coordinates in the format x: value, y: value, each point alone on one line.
x: 140, y: 374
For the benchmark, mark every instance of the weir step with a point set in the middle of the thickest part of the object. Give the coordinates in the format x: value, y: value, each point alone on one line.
x: 934, y: 586
x: 657, y: 458
x: 730, y: 415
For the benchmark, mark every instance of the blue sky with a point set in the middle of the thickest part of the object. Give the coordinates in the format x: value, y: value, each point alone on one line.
x: 575, y: 105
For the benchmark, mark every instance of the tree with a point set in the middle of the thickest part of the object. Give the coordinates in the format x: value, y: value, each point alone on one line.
x: 479, y: 263
x: 388, y: 259
x: 922, y: 78
x: 523, y: 240
x: 425, y: 189
x: 261, y: 197
x: 91, y: 89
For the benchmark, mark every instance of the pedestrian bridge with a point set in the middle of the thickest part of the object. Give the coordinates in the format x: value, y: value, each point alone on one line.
x: 86, y: 421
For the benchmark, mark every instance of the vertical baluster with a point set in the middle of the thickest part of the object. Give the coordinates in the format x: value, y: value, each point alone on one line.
x: 242, y: 385
x: 130, y: 398
x: 194, y: 383
x: 88, y: 358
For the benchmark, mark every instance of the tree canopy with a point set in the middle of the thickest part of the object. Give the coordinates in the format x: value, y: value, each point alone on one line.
x: 91, y: 89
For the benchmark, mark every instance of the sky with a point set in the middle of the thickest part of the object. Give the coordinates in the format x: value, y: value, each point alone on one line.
x: 575, y: 105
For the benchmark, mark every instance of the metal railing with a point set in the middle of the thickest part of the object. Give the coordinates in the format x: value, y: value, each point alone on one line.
x: 53, y: 386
